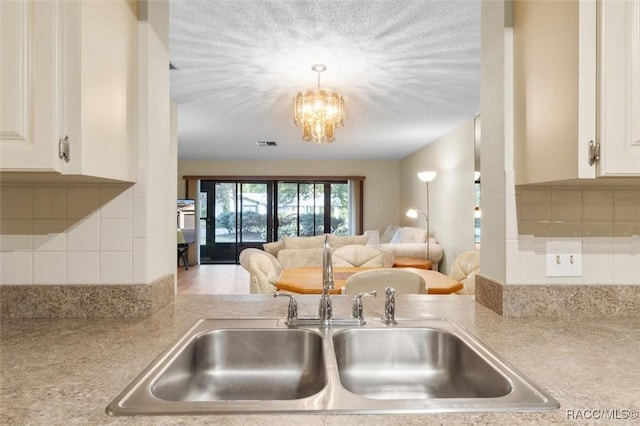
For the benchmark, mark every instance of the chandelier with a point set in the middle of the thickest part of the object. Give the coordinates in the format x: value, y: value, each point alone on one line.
x: 318, y: 113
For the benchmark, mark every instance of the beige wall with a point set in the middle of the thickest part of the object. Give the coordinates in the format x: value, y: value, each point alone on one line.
x: 451, y: 194
x: 381, y: 194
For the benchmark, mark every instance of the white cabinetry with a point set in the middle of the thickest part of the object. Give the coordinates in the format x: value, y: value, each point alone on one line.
x: 576, y: 78
x: 619, y: 83
x: 69, y: 69
x: 31, y: 79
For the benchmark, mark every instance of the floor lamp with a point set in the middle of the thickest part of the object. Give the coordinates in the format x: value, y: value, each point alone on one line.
x: 426, y: 177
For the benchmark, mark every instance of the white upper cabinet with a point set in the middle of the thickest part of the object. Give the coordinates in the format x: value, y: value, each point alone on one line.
x: 30, y: 85
x: 619, y: 82
x: 576, y: 79
x: 69, y: 89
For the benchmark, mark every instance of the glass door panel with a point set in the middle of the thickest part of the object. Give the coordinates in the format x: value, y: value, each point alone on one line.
x: 203, y: 222
x: 234, y: 216
x: 217, y: 222
x: 255, y: 215
x: 287, y: 210
x: 306, y: 206
x: 318, y: 212
x: 225, y: 212
x: 339, y: 208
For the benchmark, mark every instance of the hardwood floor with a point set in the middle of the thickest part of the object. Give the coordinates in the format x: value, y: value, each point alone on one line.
x: 213, y: 279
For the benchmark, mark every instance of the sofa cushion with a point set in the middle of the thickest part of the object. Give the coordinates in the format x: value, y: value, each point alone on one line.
x: 409, y: 234
x: 362, y: 256
x: 388, y: 234
x: 303, y: 242
x: 300, y: 258
x: 337, y: 241
x: 273, y: 248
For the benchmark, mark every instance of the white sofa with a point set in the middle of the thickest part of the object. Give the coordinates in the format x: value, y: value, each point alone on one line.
x: 265, y: 266
x: 406, y: 241
x: 464, y: 269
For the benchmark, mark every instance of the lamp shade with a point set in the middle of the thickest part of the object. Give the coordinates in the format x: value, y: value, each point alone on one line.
x: 427, y: 176
x: 413, y: 213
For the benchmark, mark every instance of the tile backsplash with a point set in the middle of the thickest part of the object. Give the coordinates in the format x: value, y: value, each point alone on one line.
x: 606, y: 221
x: 67, y: 234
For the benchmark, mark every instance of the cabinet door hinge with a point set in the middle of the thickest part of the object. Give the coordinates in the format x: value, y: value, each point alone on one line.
x: 594, y: 152
x: 63, y: 148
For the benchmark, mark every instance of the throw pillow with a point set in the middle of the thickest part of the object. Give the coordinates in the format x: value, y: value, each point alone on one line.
x: 300, y: 258
x: 409, y: 234
x: 303, y: 242
x: 336, y: 241
x: 388, y: 234
x: 273, y: 248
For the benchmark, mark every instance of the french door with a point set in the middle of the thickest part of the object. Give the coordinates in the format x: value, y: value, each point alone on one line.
x: 235, y: 215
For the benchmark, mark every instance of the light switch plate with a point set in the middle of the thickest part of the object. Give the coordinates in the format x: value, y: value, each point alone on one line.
x: 564, y: 258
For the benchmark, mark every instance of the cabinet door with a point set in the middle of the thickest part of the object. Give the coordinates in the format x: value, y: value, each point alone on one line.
x: 30, y: 85
x: 100, y: 40
x: 619, y: 91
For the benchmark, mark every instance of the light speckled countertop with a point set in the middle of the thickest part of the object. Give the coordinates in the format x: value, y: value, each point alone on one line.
x: 66, y: 371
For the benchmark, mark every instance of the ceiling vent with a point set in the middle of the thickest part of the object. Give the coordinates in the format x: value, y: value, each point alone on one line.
x: 267, y: 143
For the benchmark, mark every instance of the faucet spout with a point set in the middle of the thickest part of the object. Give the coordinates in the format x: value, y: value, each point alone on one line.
x: 327, y: 267
x: 325, y: 311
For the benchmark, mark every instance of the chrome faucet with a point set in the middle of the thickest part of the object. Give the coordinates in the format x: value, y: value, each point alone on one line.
x: 357, y: 311
x: 389, y: 306
x: 325, y: 312
x: 292, y: 310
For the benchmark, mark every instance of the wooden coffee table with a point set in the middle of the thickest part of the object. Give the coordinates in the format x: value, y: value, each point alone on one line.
x: 309, y: 280
x: 411, y: 262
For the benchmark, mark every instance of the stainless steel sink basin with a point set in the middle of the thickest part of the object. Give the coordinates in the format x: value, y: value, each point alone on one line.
x: 410, y: 363
x: 262, y: 366
x: 272, y: 364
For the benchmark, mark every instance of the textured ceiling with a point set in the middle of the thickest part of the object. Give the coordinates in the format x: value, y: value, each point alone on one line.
x: 409, y: 72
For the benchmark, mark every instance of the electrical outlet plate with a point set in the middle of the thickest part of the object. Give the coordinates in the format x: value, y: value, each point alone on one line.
x: 564, y: 258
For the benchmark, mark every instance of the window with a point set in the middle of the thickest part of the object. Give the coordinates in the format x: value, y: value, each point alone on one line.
x: 312, y: 208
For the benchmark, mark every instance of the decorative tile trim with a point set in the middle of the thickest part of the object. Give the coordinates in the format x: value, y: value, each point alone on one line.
x: 86, y: 301
x: 519, y: 300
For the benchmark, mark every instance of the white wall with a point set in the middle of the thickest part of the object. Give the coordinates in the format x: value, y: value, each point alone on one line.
x: 381, y: 193
x: 451, y: 194
x: 492, y: 111
x: 158, y: 152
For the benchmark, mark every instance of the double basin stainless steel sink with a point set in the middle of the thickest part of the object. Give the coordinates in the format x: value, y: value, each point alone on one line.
x: 262, y: 366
